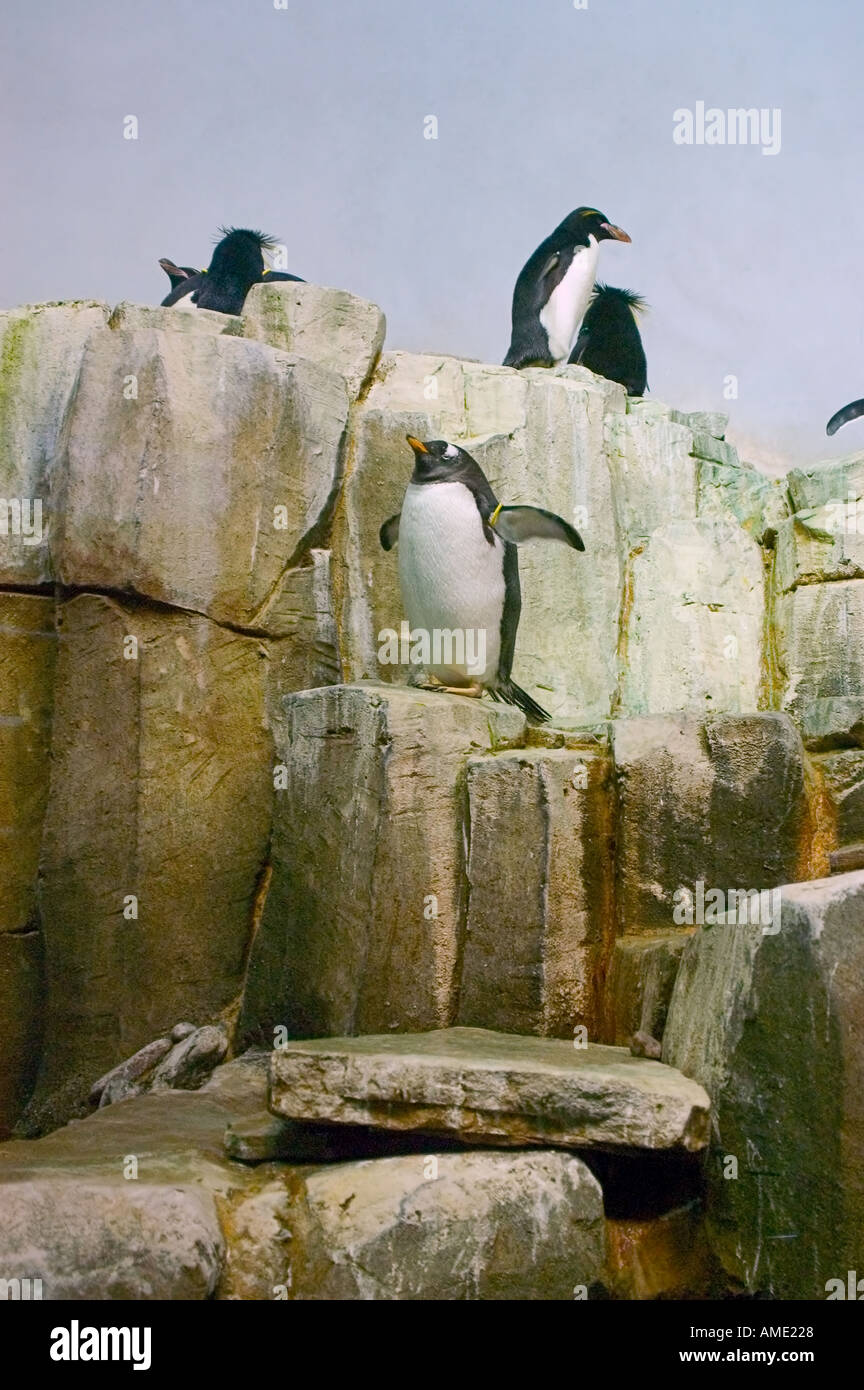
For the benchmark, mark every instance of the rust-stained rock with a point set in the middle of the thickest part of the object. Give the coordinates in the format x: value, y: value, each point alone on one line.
x: 666, y: 1256
x: 155, y: 835
x: 364, y: 916
x: 540, y: 908
x: 28, y: 647
x: 724, y: 802
x: 639, y: 985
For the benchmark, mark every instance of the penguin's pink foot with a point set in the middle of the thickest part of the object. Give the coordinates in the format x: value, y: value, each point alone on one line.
x: 475, y: 690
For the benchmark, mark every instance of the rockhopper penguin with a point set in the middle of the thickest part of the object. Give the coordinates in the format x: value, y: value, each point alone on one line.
x: 459, y: 568
x: 237, y: 264
x: 554, y: 287
x: 609, y: 341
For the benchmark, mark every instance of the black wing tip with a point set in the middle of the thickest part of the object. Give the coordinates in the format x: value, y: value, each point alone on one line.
x: 852, y: 411
x: 513, y: 694
x: 388, y: 533
x: 571, y: 535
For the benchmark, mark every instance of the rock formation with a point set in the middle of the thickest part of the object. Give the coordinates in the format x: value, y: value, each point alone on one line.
x: 218, y: 803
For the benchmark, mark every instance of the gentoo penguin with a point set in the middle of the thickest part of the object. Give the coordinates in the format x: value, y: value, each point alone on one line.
x: 459, y: 568
x: 237, y: 264
x: 554, y: 287
x: 609, y: 341
x: 849, y: 412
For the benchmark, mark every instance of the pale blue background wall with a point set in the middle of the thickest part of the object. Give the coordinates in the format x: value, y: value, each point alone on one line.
x: 309, y: 122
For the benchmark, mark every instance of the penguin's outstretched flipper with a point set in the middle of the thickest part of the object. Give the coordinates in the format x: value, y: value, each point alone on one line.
x: 389, y: 533
x: 512, y: 694
x: 267, y: 276
x: 849, y: 412
x: 176, y: 273
x: 518, y: 524
x: 190, y: 285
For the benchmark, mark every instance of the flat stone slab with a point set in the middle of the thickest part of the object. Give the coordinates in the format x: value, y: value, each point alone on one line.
x: 491, y: 1088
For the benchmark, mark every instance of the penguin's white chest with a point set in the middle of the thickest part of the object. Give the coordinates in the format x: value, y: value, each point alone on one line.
x: 452, y: 581
x: 564, y: 310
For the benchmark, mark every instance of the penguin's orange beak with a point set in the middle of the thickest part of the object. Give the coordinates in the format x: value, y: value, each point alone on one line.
x: 416, y: 444
x: 615, y: 232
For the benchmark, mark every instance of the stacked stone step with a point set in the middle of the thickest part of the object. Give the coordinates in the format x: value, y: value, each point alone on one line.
x: 449, y: 1165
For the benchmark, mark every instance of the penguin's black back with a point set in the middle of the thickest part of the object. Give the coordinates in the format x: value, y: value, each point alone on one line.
x: 529, y: 345
x: 190, y: 285
x: 609, y: 341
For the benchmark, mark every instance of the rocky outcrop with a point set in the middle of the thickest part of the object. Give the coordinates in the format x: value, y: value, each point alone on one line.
x: 449, y: 1227
x: 771, y: 1022
x: 141, y: 1201
x: 219, y: 801
x: 498, y: 1088
x: 383, y: 846
x: 539, y: 825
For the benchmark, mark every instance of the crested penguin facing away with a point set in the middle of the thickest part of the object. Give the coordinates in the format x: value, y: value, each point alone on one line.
x: 459, y: 570
x: 554, y: 287
x: 609, y: 341
x: 852, y: 411
x: 236, y: 265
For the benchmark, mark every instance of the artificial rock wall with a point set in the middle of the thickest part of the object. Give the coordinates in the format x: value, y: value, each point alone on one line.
x: 216, y: 803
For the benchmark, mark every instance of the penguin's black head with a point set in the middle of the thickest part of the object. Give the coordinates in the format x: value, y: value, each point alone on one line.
x: 436, y: 460
x: 588, y: 222
x: 240, y: 253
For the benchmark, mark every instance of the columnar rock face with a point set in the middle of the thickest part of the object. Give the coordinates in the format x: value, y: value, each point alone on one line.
x: 260, y: 438
x: 641, y: 979
x: 21, y: 1021
x: 156, y: 830
x: 41, y: 346
x: 539, y: 891
x: 771, y: 1023
x: 363, y: 922
x: 819, y: 594
x: 692, y: 630
x: 723, y: 801
x: 28, y: 647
